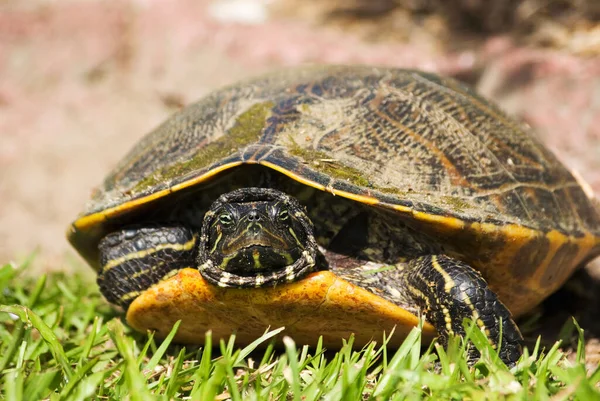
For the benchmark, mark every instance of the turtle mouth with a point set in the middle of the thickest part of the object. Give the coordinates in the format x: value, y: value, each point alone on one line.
x: 254, y: 237
x: 253, y: 258
x: 241, y: 277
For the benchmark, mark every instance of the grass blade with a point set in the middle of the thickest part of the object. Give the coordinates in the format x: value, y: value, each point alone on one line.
x: 293, y: 372
x: 77, y: 377
x: 136, y: 382
x: 13, y: 345
x: 173, y: 384
x: 163, y: 347
x: 254, y: 344
x: 389, y: 379
x: 38, y: 385
x: 28, y: 317
x: 89, y: 343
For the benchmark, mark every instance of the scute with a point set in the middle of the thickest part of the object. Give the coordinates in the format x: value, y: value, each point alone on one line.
x: 404, y: 137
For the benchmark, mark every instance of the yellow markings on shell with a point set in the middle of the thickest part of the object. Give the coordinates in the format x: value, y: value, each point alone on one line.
x: 515, y: 231
x: 450, y: 222
x: 520, y: 235
x: 557, y: 240
x: 140, y: 254
x: 209, y: 174
x: 259, y: 280
x: 292, y: 175
x: 85, y: 222
x: 511, y: 230
x: 369, y: 200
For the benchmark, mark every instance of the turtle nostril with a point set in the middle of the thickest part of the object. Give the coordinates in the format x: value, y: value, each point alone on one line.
x: 253, y: 216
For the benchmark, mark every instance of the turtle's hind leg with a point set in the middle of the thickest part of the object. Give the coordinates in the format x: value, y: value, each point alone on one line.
x: 448, y: 291
x: 135, y: 258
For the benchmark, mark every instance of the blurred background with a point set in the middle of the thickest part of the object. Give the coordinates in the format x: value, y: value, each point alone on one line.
x: 81, y: 81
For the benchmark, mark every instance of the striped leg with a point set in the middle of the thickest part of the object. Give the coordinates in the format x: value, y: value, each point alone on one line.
x: 135, y: 258
x: 448, y: 291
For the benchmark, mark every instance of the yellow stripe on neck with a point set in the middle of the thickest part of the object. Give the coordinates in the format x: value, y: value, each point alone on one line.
x: 140, y: 254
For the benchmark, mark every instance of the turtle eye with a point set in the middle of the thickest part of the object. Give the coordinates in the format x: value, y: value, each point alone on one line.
x: 225, y: 219
x: 284, y: 215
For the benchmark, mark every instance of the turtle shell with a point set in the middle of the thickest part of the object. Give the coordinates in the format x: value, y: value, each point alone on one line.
x: 443, y: 158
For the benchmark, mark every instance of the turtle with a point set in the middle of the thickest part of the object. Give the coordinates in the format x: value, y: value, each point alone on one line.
x: 337, y: 200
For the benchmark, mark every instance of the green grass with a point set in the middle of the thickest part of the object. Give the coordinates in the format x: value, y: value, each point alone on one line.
x: 60, y: 341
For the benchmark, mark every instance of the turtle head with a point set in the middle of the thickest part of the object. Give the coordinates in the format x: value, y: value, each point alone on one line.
x: 256, y: 236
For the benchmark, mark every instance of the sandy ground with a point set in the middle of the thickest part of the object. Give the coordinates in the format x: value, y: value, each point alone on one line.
x: 81, y: 81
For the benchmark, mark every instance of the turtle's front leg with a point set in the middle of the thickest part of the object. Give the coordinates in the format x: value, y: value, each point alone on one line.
x: 135, y: 258
x: 448, y: 291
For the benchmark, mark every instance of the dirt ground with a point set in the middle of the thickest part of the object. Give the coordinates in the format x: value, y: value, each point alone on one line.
x: 81, y: 81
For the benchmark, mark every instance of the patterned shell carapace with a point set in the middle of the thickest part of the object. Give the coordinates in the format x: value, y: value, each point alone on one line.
x: 450, y: 163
